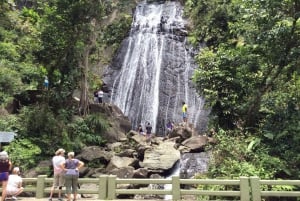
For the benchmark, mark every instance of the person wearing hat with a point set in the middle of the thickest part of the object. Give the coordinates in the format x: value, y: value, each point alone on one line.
x: 58, y: 173
x: 14, y: 185
x: 5, y: 167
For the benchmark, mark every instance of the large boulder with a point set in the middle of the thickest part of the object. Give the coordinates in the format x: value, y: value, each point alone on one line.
x: 196, y: 143
x: 161, y: 157
x: 120, y: 162
x: 123, y: 172
x: 182, y: 131
x: 95, y: 153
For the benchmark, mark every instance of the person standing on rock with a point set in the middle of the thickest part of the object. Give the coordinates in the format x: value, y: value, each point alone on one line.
x: 100, y: 96
x: 46, y: 83
x: 148, y: 130
x: 71, y: 167
x: 184, y: 112
x: 57, y: 160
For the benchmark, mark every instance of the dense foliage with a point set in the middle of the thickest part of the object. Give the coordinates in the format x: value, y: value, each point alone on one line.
x: 249, y: 73
x: 63, y: 40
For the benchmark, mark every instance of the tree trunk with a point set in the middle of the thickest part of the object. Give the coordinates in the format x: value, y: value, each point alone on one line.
x: 84, y: 96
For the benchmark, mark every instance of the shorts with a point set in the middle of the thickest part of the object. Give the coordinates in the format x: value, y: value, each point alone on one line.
x: 10, y: 190
x: 4, y: 176
x: 184, y: 115
x: 59, y: 179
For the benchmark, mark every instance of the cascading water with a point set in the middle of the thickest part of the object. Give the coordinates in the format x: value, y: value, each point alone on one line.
x: 151, y: 75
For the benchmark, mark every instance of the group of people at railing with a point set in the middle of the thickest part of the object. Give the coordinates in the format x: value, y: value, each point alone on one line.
x: 65, y: 173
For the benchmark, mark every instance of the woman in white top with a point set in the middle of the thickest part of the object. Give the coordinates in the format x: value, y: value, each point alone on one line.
x: 14, y: 185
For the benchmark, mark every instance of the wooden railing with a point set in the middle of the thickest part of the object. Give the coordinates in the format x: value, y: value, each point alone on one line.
x: 107, y: 187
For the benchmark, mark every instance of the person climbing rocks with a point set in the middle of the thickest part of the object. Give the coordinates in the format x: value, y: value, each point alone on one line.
x: 184, y: 111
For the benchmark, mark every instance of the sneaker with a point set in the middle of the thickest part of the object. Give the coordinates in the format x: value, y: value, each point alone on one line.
x: 50, y: 199
x: 60, y: 199
x: 13, y: 198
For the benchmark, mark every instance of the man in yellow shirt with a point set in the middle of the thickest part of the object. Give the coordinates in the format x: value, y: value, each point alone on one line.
x: 184, y: 111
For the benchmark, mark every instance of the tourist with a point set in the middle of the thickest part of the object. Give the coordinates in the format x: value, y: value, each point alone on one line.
x: 184, y: 111
x: 58, y: 173
x: 148, y: 130
x: 14, y: 185
x: 100, y: 96
x: 140, y: 130
x: 46, y: 83
x: 5, y: 167
x: 71, y: 167
x: 170, y: 126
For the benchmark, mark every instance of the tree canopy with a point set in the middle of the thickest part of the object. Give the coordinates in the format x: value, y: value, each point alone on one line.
x: 62, y: 40
x: 249, y: 73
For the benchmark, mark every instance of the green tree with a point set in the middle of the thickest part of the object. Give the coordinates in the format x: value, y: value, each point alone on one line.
x: 19, y: 39
x: 69, y: 38
x: 245, y: 71
x: 23, y: 153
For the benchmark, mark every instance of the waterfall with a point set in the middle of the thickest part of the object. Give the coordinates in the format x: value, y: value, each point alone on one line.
x: 151, y: 75
x: 188, y: 166
x: 175, y: 172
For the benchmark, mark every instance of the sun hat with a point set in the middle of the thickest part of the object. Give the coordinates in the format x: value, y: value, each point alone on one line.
x: 59, y: 151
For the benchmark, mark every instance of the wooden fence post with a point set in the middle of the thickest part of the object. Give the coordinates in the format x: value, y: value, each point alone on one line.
x: 255, y: 188
x: 102, y: 187
x: 175, y: 188
x: 111, y: 187
x: 245, y: 189
x: 40, y: 186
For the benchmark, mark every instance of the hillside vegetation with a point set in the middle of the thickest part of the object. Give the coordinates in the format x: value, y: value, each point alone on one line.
x: 249, y: 73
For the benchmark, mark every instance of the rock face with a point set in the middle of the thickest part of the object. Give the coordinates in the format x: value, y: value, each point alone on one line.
x: 119, y: 124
